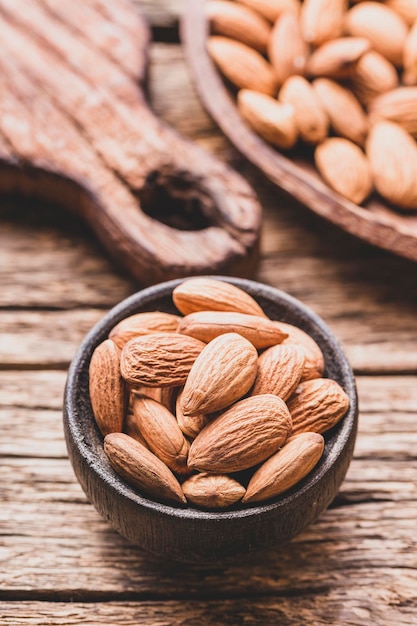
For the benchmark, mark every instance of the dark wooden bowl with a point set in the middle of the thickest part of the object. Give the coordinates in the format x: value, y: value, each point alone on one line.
x: 294, y: 172
x: 187, y: 534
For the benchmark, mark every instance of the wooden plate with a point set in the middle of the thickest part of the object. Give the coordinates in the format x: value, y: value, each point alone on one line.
x: 376, y: 222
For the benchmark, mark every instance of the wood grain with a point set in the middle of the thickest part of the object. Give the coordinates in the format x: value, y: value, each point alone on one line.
x: 355, y: 610
x: 63, y: 76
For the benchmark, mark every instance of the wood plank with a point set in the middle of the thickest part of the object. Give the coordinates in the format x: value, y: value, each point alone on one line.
x: 49, y: 259
x: 385, y: 607
x: 43, y: 338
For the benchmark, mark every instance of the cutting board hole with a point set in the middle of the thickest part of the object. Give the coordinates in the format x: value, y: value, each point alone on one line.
x: 175, y: 201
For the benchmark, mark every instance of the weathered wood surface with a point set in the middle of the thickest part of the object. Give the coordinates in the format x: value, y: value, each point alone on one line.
x: 60, y: 563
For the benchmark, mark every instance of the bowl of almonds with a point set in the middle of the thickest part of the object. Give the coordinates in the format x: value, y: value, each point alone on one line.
x: 321, y: 96
x: 210, y: 417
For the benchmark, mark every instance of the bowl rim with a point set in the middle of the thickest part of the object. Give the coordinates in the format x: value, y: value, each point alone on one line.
x: 113, y: 481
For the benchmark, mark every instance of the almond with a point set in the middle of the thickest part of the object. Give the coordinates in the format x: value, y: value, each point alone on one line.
x: 279, y: 371
x: 322, y: 20
x: 159, y: 359
x: 317, y: 405
x: 287, y: 50
x: 142, y: 468
x: 345, y: 168
x: 243, y: 436
x: 383, y: 27
x: 310, y: 117
x: 190, y: 425
x: 285, y: 468
x: 244, y: 67
x: 392, y: 155
x: 207, y: 325
x: 314, y: 359
x: 143, y: 324
x: 399, y: 106
x: 410, y: 57
x: 373, y: 75
x: 274, y: 121
x: 223, y: 372
x: 337, y: 58
x: 209, y: 294
x: 272, y: 9
x: 108, y: 394
x: 131, y: 428
x: 161, y: 432
x: 213, y: 491
x: 346, y: 115
x: 407, y: 9
x: 236, y: 21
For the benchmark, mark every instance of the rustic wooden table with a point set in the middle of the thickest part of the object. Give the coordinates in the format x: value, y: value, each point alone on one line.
x: 60, y: 562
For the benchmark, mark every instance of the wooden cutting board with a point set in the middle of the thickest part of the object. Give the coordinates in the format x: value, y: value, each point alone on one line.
x: 376, y: 221
x: 75, y: 128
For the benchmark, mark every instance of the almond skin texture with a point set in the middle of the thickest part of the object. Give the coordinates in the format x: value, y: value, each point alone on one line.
x: 345, y: 112
x: 243, y: 436
x: 337, y: 58
x: 143, y: 324
x: 345, y: 168
x: 272, y: 9
x: 287, y: 49
x: 322, y: 20
x: 399, y: 106
x: 212, y: 491
x: 131, y: 428
x: 407, y: 9
x: 236, y: 21
x: 279, y: 371
x: 310, y: 117
x: 317, y: 405
x: 223, y: 372
x: 107, y: 388
x: 243, y: 66
x: 162, y: 433
x: 190, y: 425
x: 286, y: 467
x: 274, y: 121
x: 383, y: 27
x: 410, y: 57
x: 392, y: 155
x: 314, y: 359
x: 373, y: 75
x: 207, y: 325
x: 159, y: 359
x: 209, y: 294
x: 142, y: 468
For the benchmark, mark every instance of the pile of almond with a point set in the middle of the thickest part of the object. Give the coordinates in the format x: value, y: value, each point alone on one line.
x: 335, y: 75
x: 218, y: 405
